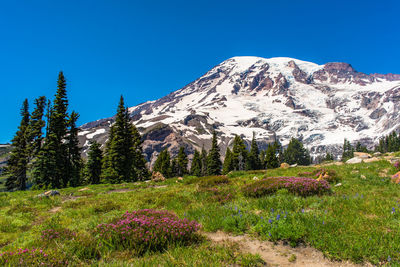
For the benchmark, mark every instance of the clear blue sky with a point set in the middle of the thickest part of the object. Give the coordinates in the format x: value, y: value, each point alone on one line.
x: 146, y: 49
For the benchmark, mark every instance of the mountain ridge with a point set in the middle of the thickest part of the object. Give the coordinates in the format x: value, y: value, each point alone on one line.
x: 277, y: 98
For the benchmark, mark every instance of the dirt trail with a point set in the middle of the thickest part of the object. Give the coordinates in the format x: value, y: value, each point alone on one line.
x: 277, y: 254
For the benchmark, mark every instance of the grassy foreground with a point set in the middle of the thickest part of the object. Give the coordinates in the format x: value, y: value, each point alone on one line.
x: 359, y: 221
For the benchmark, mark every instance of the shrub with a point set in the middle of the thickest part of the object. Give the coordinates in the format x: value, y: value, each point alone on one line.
x: 297, y: 185
x: 147, y: 230
x: 51, y: 234
x: 219, y: 195
x: 213, y: 181
x: 32, y: 257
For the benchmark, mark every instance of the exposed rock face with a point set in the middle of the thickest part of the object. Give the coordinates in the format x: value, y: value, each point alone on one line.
x: 277, y: 98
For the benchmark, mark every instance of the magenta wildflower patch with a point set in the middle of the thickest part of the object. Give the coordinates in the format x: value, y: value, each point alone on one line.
x: 301, y: 186
x: 147, y: 229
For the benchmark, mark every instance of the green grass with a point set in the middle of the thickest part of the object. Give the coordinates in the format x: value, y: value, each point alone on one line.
x: 356, y: 222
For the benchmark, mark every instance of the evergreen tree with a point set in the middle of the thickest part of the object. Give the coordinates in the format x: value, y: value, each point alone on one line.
x: 93, y: 165
x: 51, y: 167
x: 296, y: 153
x: 348, y: 150
x: 239, y: 154
x: 329, y: 157
x: 181, y: 162
x: 195, y: 169
x: 36, y: 125
x: 19, y: 157
x: 262, y: 159
x: 271, y: 160
x: 203, y: 158
x: 174, y: 168
x: 123, y: 159
x: 213, y: 159
x: 253, y: 159
x: 228, y: 162
x: 74, y: 165
x: 163, y: 164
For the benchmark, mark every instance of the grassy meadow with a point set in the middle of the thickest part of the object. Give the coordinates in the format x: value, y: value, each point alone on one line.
x: 358, y: 221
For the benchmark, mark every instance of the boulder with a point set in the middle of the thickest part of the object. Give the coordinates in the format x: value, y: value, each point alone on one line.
x: 372, y: 159
x: 157, y: 177
x: 396, y: 178
x: 354, y: 160
x: 377, y: 154
x: 362, y: 155
x: 180, y: 178
x: 284, y: 165
x: 51, y: 193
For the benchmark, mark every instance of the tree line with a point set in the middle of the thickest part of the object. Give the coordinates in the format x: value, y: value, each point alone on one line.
x: 46, y: 152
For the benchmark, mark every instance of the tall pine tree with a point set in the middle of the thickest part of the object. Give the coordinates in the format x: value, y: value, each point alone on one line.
x: 36, y: 125
x: 182, y: 162
x: 271, y: 160
x: 195, y: 169
x: 295, y: 153
x: 253, y: 158
x: 123, y: 159
x: 228, y: 163
x: 214, y: 163
x: 203, y: 158
x: 163, y: 163
x: 75, y: 163
x: 93, y: 165
x: 19, y: 157
x: 239, y: 154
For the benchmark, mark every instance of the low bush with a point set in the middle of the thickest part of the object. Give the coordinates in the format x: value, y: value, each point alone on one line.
x: 51, y: 234
x: 213, y: 181
x: 147, y: 230
x: 301, y: 186
x: 218, y: 194
x: 32, y: 257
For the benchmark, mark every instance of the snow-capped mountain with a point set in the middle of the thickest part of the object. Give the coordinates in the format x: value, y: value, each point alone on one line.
x: 276, y: 98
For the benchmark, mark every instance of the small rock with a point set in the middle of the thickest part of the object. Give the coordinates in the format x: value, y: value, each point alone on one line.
x: 83, y: 189
x: 362, y: 155
x: 294, y: 165
x: 339, y: 184
x: 284, y: 165
x: 52, y: 193
x: 377, y: 154
x: 354, y: 160
x: 372, y: 159
x: 157, y: 177
x: 180, y: 178
x: 363, y: 176
x: 255, y: 178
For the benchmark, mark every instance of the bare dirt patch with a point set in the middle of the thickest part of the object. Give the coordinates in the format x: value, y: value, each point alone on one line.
x: 122, y: 190
x: 55, y: 210
x: 278, y: 254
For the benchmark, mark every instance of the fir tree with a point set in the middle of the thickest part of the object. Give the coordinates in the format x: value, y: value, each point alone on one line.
x: 203, y: 158
x: 329, y: 157
x: 262, y: 159
x: 228, y: 162
x: 271, y: 160
x: 19, y: 157
x: 195, y: 169
x: 163, y: 164
x: 123, y: 159
x: 74, y: 166
x: 36, y: 125
x: 239, y: 154
x: 181, y: 162
x: 213, y: 159
x: 93, y: 165
x: 253, y: 158
x: 296, y: 153
x: 52, y: 164
x: 174, y: 168
x: 348, y: 150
